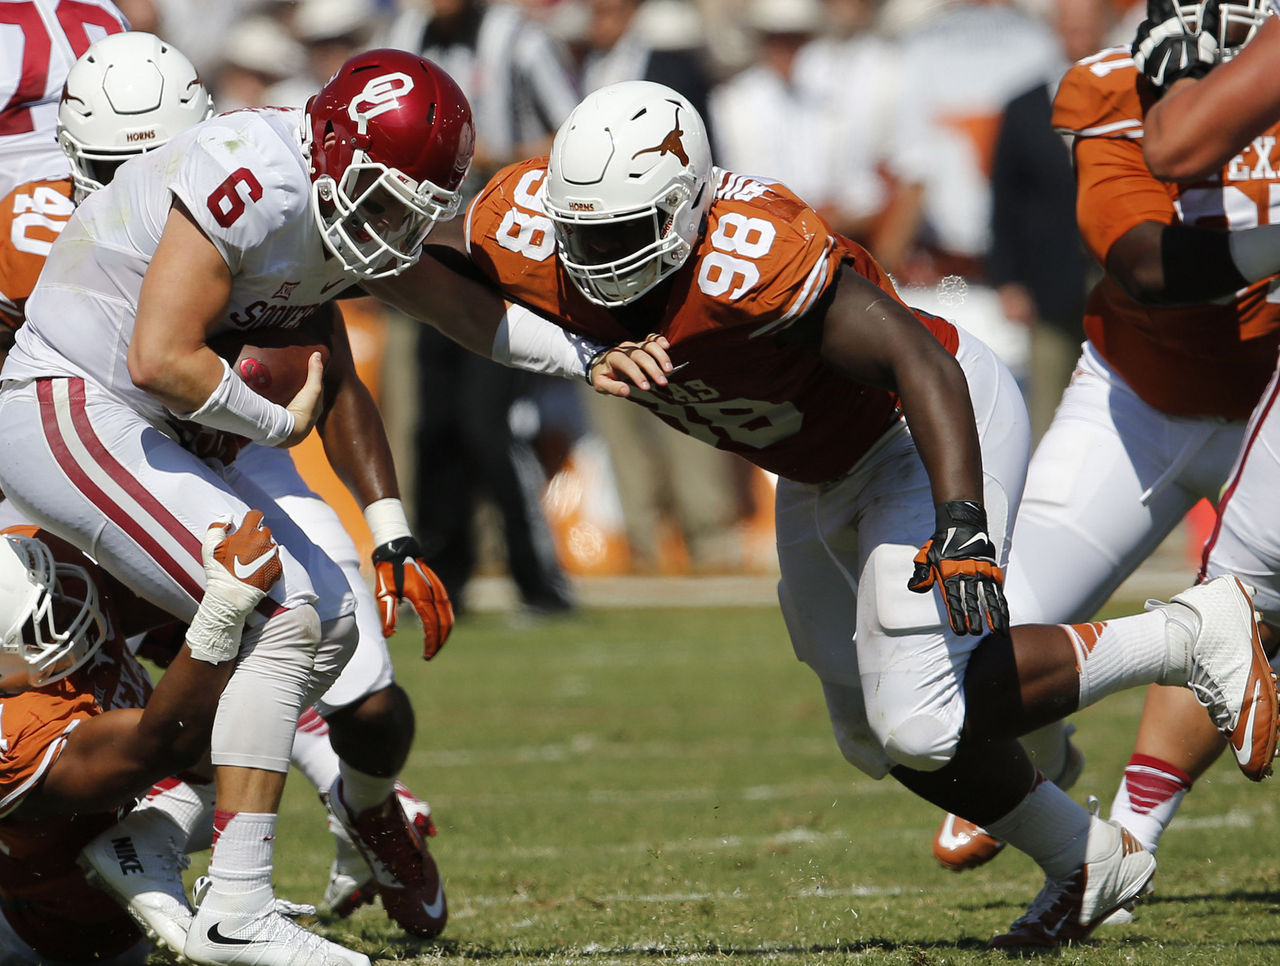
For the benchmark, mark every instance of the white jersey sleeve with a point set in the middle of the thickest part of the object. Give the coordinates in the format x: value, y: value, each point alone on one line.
x: 239, y: 189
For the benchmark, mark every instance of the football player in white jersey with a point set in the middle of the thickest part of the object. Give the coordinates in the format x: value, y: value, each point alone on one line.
x: 250, y: 220
x: 130, y: 93
x: 39, y: 41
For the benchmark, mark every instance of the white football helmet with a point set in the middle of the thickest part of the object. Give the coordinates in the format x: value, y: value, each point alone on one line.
x: 1237, y: 22
x: 628, y: 189
x: 127, y: 94
x: 50, y: 621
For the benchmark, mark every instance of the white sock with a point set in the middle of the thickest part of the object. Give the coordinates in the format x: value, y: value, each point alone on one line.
x: 1148, y: 798
x: 1049, y: 826
x: 1047, y: 749
x: 1119, y: 654
x: 361, y: 792
x: 188, y: 805
x: 243, y: 845
x: 313, y: 755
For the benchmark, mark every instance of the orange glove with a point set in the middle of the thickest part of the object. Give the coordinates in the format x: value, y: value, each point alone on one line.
x: 402, y: 575
x: 961, y: 559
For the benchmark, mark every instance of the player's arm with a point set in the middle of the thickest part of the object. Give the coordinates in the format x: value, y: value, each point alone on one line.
x: 1199, y: 125
x: 113, y: 757
x: 871, y: 337
x: 446, y: 290
x: 355, y: 442
x: 184, y: 297
x: 1129, y: 223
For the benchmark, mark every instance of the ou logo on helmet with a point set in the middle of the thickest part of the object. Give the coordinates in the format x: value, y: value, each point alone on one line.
x: 380, y: 95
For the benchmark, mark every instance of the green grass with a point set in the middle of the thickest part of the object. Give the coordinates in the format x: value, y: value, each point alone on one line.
x: 652, y: 786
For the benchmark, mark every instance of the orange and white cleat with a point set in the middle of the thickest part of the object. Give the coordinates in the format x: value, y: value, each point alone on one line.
x: 960, y: 845
x: 1229, y: 674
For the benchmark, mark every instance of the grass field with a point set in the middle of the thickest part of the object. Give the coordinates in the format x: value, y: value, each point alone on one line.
x: 654, y: 786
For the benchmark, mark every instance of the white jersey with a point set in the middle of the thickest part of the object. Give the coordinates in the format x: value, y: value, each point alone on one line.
x: 39, y: 41
x: 243, y: 178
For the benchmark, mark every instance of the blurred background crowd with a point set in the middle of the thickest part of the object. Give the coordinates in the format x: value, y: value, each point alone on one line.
x: 919, y: 128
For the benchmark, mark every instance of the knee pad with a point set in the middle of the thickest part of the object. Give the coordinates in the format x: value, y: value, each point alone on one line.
x: 259, y: 709
x: 912, y: 665
x: 338, y: 640
x: 921, y: 743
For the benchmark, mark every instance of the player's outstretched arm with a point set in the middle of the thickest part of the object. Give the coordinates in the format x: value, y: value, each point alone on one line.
x: 446, y: 290
x: 110, y: 759
x: 1199, y: 125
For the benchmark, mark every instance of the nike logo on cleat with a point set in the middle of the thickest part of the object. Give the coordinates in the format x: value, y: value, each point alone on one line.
x: 1244, y: 750
x: 216, y: 937
x: 247, y: 569
x: 435, y: 909
x: 947, y: 837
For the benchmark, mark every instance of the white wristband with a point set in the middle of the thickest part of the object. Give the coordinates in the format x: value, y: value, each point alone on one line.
x: 1256, y: 251
x: 387, y: 520
x: 235, y: 408
x: 527, y: 341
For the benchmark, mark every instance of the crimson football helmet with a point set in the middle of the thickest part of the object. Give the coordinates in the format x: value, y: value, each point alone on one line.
x: 390, y: 139
x: 127, y: 94
x: 628, y: 189
x: 50, y: 620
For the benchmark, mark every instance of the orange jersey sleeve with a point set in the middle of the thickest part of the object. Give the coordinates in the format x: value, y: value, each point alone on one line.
x: 764, y: 261
x: 31, y: 217
x: 1206, y: 360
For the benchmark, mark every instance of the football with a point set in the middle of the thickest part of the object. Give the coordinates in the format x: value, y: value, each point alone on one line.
x: 272, y: 362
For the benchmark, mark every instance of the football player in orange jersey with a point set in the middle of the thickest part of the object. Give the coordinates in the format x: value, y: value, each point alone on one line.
x: 83, y: 732
x: 1182, y: 340
x: 742, y: 319
x: 1205, y: 118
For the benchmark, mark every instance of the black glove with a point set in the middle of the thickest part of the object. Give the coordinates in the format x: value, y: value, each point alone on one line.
x: 961, y: 559
x: 1168, y: 48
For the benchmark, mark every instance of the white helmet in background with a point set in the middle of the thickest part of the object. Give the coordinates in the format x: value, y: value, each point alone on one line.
x: 50, y: 621
x: 628, y: 189
x: 127, y: 94
x: 1233, y: 23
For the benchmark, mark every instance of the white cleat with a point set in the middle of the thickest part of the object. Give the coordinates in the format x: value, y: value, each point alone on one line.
x: 250, y: 930
x: 1067, y: 910
x: 138, y: 862
x: 1229, y: 673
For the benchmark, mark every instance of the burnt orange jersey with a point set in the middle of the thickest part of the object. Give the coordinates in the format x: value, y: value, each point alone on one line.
x: 31, y: 217
x: 43, y: 892
x: 1207, y: 360
x: 763, y: 262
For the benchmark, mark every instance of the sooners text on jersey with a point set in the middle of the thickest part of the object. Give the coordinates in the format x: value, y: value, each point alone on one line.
x: 763, y: 262
x: 1204, y: 360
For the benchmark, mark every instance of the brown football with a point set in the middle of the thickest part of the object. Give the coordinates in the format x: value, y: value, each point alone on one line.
x: 272, y: 362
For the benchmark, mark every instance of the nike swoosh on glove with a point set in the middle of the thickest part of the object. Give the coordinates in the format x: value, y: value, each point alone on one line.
x: 401, y: 574
x: 1166, y: 52
x: 961, y: 559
